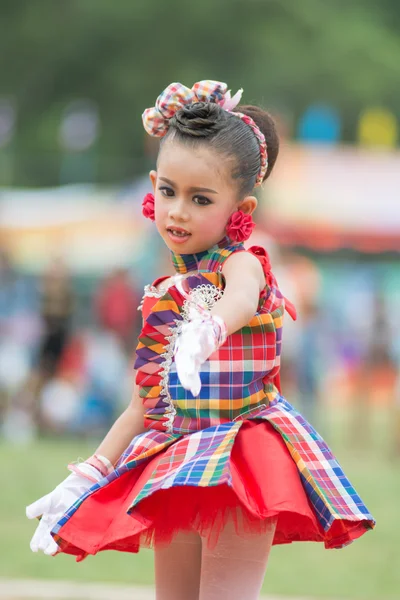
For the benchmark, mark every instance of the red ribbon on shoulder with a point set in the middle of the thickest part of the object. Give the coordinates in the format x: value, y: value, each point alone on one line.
x: 263, y: 257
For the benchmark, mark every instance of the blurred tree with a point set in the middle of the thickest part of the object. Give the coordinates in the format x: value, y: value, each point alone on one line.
x: 121, y: 55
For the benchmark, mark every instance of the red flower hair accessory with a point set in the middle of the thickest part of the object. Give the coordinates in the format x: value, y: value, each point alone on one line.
x: 148, y: 207
x: 240, y: 226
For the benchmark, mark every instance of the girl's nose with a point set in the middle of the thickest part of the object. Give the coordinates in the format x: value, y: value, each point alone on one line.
x: 178, y: 211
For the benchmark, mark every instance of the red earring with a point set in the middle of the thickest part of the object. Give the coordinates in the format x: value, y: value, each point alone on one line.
x: 240, y: 226
x: 148, y: 207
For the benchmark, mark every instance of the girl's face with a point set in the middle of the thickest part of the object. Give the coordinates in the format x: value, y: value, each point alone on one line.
x: 194, y: 197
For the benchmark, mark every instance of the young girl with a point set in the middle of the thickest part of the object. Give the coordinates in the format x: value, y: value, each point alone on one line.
x: 209, y: 464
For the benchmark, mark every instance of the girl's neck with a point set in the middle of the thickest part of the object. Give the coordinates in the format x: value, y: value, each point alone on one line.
x: 186, y: 263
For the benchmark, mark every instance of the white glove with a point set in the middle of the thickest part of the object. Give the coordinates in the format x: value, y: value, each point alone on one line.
x: 197, y: 340
x: 52, y: 506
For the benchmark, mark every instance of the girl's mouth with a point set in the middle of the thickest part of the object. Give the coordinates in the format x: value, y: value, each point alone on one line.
x: 178, y: 235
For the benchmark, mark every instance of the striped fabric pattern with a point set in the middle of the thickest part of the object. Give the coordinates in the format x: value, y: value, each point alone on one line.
x: 329, y: 490
x: 207, y: 261
x: 233, y: 378
x: 200, y: 459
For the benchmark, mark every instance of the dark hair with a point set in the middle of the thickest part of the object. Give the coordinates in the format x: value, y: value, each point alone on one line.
x: 208, y: 123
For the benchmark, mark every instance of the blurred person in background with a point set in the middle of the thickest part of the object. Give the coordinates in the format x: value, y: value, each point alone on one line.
x: 184, y: 467
x: 375, y: 377
x: 56, y: 309
x: 19, y: 333
x: 116, y: 304
x: 85, y: 394
x: 309, y: 359
x: 106, y: 382
x: 7, y: 295
x: 306, y: 340
x: 56, y: 304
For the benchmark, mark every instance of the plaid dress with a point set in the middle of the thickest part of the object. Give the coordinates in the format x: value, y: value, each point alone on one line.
x: 239, y: 445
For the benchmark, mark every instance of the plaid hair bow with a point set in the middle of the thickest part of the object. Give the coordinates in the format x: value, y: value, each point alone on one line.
x: 175, y: 96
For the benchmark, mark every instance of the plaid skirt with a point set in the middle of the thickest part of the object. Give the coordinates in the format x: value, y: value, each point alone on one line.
x: 272, y: 466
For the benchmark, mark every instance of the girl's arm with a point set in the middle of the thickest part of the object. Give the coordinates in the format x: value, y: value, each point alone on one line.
x: 199, y: 338
x: 125, y: 428
x: 244, y: 279
x: 52, y: 506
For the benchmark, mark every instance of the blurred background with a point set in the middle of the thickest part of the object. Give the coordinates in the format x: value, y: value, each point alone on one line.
x: 75, y: 251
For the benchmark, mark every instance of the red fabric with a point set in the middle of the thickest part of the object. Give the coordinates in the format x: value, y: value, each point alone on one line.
x: 265, y: 483
x: 263, y: 256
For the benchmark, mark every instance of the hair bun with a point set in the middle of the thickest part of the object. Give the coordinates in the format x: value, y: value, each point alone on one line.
x: 199, y: 119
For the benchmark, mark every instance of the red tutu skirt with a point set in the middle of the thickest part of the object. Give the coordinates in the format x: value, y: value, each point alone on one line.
x: 265, y: 484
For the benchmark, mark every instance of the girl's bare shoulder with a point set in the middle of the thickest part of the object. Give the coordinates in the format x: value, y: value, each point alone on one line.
x: 243, y: 265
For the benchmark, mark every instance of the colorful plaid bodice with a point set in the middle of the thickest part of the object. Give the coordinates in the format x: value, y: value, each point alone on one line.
x: 239, y: 379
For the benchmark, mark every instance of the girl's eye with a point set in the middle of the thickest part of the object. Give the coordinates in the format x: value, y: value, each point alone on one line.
x: 201, y: 200
x: 167, y: 191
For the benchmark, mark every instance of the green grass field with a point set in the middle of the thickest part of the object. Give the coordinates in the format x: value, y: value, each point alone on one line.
x: 369, y: 568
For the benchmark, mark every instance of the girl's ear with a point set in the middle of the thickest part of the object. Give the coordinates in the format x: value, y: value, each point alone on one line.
x: 248, y: 205
x: 153, y: 179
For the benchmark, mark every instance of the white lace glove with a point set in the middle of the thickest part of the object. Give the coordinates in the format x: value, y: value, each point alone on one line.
x: 52, y: 506
x: 197, y: 340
